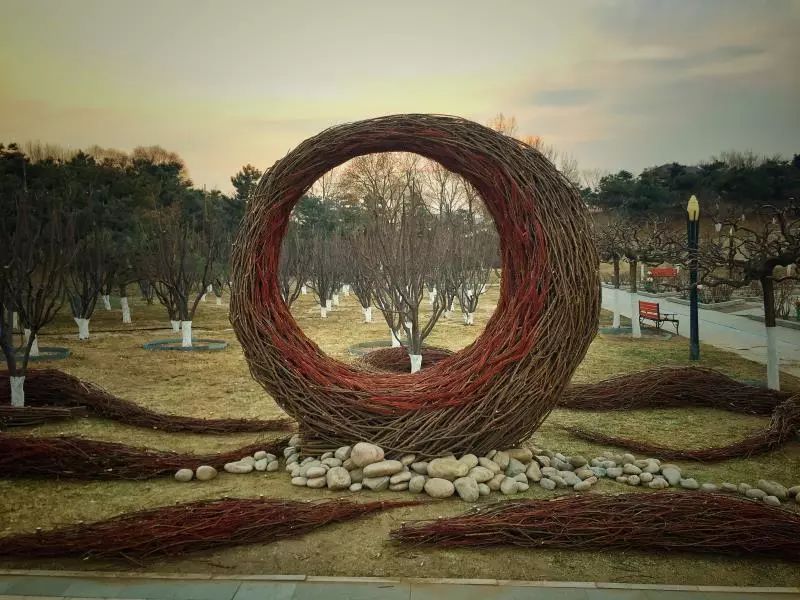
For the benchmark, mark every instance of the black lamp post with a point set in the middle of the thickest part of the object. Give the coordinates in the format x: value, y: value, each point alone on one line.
x: 692, y: 231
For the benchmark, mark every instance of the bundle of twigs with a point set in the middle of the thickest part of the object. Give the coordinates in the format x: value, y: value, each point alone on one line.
x: 395, y: 360
x: 51, y: 387
x: 672, y: 387
x: 493, y: 393
x: 782, y: 428
x: 191, y: 527
x: 662, y: 521
x: 21, y: 416
x: 76, y: 458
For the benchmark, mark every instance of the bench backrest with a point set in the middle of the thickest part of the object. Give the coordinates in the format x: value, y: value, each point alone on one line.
x: 664, y: 272
x: 649, y: 310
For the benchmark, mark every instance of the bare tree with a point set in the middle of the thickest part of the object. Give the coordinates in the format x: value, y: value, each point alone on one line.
x: 34, y: 258
x: 90, y: 272
x: 477, y: 254
x: 294, y: 265
x: 325, y: 268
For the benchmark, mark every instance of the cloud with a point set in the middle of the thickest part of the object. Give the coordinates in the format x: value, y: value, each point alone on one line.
x: 564, y: 97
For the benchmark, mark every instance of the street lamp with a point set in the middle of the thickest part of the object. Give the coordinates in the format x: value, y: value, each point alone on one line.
x: 692, y: 232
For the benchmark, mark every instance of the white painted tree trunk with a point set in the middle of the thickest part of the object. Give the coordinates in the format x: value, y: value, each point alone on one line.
x: 346, y: 289
x: 219, y: 300
x: 303, y: 290
x: 773, y: 364
x: 483, y: 289
x: 14, y: 320
x: 335, y: 299
x: 617, y: 301
x: 203, y: 298
x: 35, y: 346
x: 641, y: 271
x: 328, y: 304
x: 323, y: 312
x: 126, y: 309
x: 83, y: 328
x: 106, y: 301
x: 636, y: 330
x: 395, y: 340
x: 471, y: 318
x: 176, y: 325
x: 367, y: 314
x: 186, y: 334
x: 17, y: 391
x: 416, y: 362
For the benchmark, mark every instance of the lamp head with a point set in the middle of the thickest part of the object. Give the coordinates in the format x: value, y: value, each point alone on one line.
x: 693, y: 208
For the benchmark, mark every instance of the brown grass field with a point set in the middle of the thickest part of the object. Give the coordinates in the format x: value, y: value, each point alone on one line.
x: 218, y: 384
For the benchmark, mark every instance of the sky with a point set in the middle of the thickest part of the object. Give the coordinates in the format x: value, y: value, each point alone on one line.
x: 619, y: 84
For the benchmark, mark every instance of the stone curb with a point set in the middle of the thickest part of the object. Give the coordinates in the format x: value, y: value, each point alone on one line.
x: 419, y: 580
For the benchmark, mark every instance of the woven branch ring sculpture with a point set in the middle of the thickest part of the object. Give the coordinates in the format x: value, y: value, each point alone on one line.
x: 493, y: 393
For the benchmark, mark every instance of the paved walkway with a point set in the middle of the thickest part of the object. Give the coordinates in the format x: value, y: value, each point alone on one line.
x: 42, y: 585
x: 729, y: 331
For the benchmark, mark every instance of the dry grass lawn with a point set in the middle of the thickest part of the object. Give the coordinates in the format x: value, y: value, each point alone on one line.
x: 218, y: 384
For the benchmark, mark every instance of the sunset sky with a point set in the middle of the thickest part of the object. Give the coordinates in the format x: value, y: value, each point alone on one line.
x: 619, y: 84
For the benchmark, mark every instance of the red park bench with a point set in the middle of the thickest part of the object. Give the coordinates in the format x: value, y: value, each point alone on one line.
x: 663, y: 272
x: 652, y: 312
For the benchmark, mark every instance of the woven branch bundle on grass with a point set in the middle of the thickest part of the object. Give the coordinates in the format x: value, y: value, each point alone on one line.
x: 662, y: 521
x: 24, y: 416
x: 396, y: 360
x: 75, y: 458
x: 782, y: 428
x: 672, y: 387
x: 51, y: 387
x: 191, y: 527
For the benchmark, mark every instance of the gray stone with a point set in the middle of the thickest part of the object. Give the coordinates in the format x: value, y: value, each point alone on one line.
x: 646, y: 477
x: 483, y: 489
x: 614, y: 472
x: 356, y: 475
x: 338, y: 478
x: 743, y: 487
x: 520, y: 477
x: 238, y: 467
x: 549, y: 471
x: 651, y: 467
x: 598, y: 471
x: 628, y: 458
x: 494, y: 482
x: 349, y: 464
x: 363, y: 454
x: 622, y: 479
x: 326, y: 455
x: 608, y: 464
x: 562, y: 465
x: 447, y: 468
x: 533, y: 472
x: 376, y: 484
x: 295, y: 471
x: 408, y: 459
x: 384, y: 467
x: 294, y: 458
x: 481, y: 474
x: 289, y: 450
x: 709, y: 487
x: 689, y: 484
x: 729, y: 487
x: 773, y: 488
x: 772, y: 500
x: 523, y: 455
x: 247, y: 460
x: 355, y: 487
x: 417, y: 483
x: 470, y: 460
x: 314, y: 472
x: 630, y: 469
x: 514, y: 467
x: 582, y: 486
x: 332, y: 462
x: 672, y: 474
x: 400, y: 477
x: 261, y: 464
x: 488, y: 463
x: 501, y: 458
x: 543, y: 460
x: 467, y: 489
x: 508, y: 486
x: 420, y: 467
x: 559, y: 481
x: 295, y: 440
x: 273, y: 466
x: 299, y: 481
x: 490, y: 454
x: 522, y: 487
x: 659, y: 483
x: 316, y: 482
x: 547, y: 484
x: 570, y: 477
x: 309, y: 465
x: 343, y: 453
x: 577, y: 461
x: 633, y: 480
x: 596, y: 462
x: 261, y: 454
x: 205, y: 473
x: 584, y: 473
x: 437, y: 487
x: 308, y: 459
x: 560, y: 457
x: 271, y: 457
x: 184, y: 475
x: 398, y: 487
x: 755, y: 493
x: 793, y: 491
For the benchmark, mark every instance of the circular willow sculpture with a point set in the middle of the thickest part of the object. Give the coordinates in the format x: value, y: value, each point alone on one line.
x: 493, y: 393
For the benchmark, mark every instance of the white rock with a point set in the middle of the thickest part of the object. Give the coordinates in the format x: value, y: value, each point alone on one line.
x: 314, y: 472
x: 671, y: 473
x: 355, y: 487
x: 407, y: 459
x: 260, y: 465
x: 398, y: 487
x: 633, y: 480
x: 205, y: 473
x: 273, y: 466
x: 343, y: 453
x: 376, y: 484
x: 582, y: 486
x: 613, y: 472
x: 488, y: 463
x: 356, y: 475
x: 772, y: 500
x: 384, y: 467
x: 628, y: 458
x: 416, y: 484
x: 447, y: 468
x: 184, y: 475
x: 337, y: 478
x: 439, y: 488
x: 299, y: 481
x: 773, y: 488
x: 260, y: 454
x: 467, y: 489
x: 756, y: 493
x: 325, y: 455
x: 401, y: 477
x: 501, y: 458
x: 659, y: 483
x: 238, y: 467
x: 689, y: 484
x: 470, y: 460
x: 547, y: 484
x: 316, y: 482
x: 247, y: 460
x: 508, y: 486
x: 364, y: 454
x: 294, y: 441
x: 533, y: 472
x: 630, y: 469
x: 709, y: 487
x: 522, y: 487
x: 332, y: 462
x: 420, y: 468
x: 494, y: 482
x: 729, y: 487
x: 793, y: 491
x: 481, y: 474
